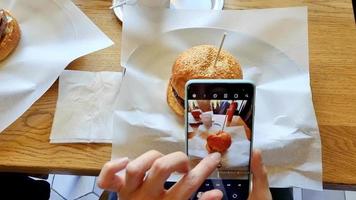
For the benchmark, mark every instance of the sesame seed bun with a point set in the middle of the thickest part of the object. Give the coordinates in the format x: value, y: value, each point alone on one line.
x: 198, y: 63
x: 12, y: 36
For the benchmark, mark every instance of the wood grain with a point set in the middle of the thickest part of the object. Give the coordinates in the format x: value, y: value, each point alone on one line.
x: 24, y: 146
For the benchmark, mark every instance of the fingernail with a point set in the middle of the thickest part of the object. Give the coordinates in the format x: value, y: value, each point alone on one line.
x: 124, y: 159
x: 215, y: 156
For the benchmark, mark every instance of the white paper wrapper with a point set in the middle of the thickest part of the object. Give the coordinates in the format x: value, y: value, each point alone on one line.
x: 85, y: 107
x: 54, y: 33
x: 274, y: 55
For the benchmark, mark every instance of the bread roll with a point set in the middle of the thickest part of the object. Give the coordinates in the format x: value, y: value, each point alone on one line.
x: 198, y: 63
x: 10, y: 34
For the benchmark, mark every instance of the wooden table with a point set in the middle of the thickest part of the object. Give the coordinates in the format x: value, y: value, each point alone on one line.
x: 24, y: 146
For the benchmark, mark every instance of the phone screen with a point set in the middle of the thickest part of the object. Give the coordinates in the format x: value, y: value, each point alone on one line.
x: 219, y: 118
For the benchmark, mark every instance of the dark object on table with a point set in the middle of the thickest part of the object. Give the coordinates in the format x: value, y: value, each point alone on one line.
x: 20, y: 186
x: 353, y: 6
x: 277, y: 193
x: 282, y: 193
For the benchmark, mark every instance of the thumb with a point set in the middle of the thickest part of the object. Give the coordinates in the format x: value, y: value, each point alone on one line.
x: 212, y: 195
x: 259, y: 171
x: 260, y: 187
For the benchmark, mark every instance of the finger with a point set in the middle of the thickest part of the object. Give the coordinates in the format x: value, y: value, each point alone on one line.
x: 108, y: 180
x: 136, y: 169
x: 212, y: 195
x: 193, y: 180
x: 260, y: 179
x: 162, y: 169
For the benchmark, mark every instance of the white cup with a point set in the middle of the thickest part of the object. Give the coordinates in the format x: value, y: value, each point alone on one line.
x: 154, y: 3
x: 207, y: 119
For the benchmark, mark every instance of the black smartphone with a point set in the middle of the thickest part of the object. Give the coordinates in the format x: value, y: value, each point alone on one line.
x: 219, y: 118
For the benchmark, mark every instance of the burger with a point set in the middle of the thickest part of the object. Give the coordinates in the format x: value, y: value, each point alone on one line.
x: 198, y: 63
x: 9, y: 34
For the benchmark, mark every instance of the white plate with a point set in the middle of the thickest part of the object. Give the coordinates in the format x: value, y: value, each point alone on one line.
x: 260, y: 61
x: 145, y: 112
x: 174, y: 4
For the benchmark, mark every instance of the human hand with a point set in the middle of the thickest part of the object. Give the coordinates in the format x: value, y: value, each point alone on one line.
x: 135, y: 184
x: 260, y: 188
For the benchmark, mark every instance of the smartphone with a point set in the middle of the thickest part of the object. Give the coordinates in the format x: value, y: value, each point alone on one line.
x: 219, y: 117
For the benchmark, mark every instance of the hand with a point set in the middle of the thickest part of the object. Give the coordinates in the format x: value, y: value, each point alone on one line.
x: 260, y: 188
x: 135, y: 184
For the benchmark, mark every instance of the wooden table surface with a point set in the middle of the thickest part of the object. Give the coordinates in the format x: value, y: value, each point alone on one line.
x: 25, y: 147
